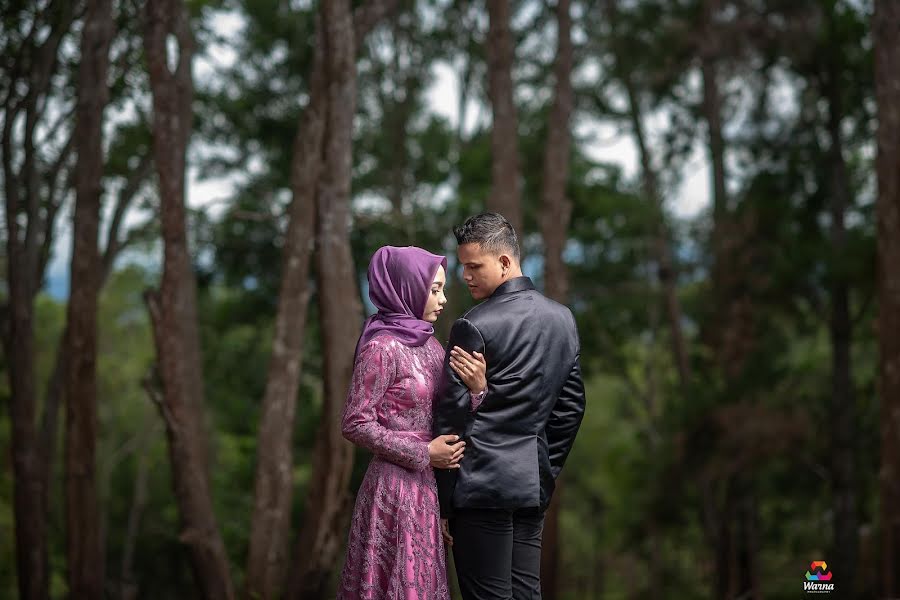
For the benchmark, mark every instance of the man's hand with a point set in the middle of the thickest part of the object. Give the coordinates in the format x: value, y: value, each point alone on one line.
x: 445, y: 531
x: 445, y: 451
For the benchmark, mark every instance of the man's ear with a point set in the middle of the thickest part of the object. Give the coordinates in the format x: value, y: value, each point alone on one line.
x: 505, y: 262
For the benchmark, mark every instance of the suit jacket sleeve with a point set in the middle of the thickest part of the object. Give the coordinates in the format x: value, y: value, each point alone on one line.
x: 565, y: 419
x: 452, y: 404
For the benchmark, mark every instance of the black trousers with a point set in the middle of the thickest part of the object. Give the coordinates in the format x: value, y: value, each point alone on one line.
x: 497, y: 553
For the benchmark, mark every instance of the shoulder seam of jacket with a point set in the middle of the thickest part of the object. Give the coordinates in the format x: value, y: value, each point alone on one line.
x: 475, y: 327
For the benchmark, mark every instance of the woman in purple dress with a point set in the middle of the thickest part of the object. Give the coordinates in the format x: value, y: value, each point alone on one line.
x: 396, y: 549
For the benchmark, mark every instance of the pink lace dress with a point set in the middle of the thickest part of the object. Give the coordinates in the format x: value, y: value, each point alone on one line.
x: 395, y: 550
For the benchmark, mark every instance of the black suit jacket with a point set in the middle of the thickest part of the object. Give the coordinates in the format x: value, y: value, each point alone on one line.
x: 518, y: 439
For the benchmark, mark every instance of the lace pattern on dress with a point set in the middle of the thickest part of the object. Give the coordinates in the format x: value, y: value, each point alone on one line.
x: 395, y: 549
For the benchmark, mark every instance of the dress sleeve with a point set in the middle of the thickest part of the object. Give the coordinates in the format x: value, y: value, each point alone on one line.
x: 477, y: 399
x: 373, y: 373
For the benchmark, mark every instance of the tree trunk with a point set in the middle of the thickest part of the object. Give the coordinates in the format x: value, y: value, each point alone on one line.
x: 83, y: 546
x: 886, y: 35
x: 49, y: 431
x: 505, y: 196
x: 716, y: 522
x: 321, y: 538
x: 662, y: 248
x: 55, y: 391
x: 733, y: 532
x: 556, y: 212
x: 746, y: 567
x: 29, y: 232
x: 30, y: 514
x: 712, y: 111
x: 173, y: 309
x: 128, y: 587
x: 556, y: 207
x: 268, y: 556
x: 712, y: 114
x: 733, y: 333
x: 843, y: 402
x: 725, y: 234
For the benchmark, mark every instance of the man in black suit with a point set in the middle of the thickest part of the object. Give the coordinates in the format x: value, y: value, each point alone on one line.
x: 519, y: 434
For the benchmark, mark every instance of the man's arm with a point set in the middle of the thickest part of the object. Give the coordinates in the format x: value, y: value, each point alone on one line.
x: 565, y: 419
x: 451, y: 404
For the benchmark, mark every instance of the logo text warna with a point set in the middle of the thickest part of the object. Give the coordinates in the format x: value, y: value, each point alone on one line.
x: 818, y: 578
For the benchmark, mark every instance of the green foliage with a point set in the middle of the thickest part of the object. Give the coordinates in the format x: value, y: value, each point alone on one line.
x: 655, y: 457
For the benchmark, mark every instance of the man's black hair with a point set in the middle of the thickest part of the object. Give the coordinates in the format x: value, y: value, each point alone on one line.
x: 492, y: 232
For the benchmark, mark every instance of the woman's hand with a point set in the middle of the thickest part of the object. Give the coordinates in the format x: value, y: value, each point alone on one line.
x: 471, y: 368
x: 445, y: 531
x: 445, y: 451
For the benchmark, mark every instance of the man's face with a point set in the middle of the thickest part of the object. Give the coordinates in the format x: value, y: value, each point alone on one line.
x: 482, y: 271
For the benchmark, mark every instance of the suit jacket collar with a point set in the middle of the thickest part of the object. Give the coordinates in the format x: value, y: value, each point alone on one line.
x: 516, y: 284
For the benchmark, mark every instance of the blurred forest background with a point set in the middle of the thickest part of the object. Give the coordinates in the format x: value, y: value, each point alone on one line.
x: 192, y: 190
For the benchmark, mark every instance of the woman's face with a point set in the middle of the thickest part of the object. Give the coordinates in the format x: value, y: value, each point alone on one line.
x: 436, y: 298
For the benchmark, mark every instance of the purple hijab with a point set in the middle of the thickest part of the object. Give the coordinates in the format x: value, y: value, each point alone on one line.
x: 399, y: 283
